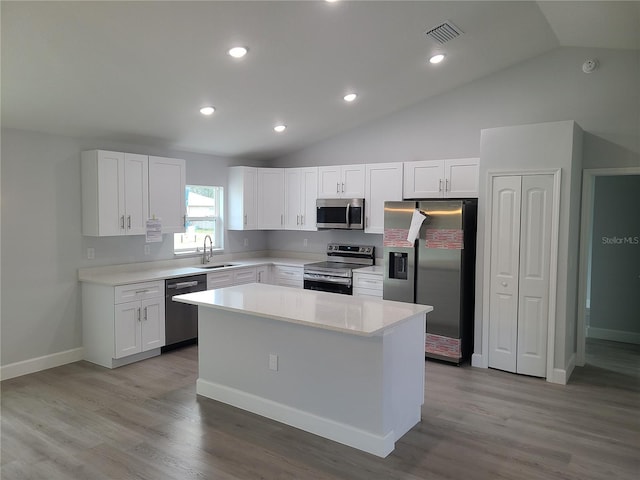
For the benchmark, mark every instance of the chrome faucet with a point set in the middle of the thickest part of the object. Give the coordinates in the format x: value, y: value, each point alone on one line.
x: 206, y: 258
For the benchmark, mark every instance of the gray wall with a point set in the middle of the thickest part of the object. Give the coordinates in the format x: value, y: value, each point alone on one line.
x: 615, y: 274
x: 42, y: 245
x: 548, y: 88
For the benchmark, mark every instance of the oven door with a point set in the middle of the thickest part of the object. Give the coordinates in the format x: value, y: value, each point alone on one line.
x: 327, y: 283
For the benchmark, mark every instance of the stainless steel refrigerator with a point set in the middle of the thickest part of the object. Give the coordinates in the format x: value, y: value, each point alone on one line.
x: 437, y: 268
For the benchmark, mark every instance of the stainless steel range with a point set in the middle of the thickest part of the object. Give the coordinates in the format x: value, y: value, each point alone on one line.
x: 336, y: 274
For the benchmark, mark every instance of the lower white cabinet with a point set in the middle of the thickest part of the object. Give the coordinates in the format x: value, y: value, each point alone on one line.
x: 122, y: 324
x: 288, y: 276
x: 231, y: 277
x: 263, y: 274
x: 367, y: 285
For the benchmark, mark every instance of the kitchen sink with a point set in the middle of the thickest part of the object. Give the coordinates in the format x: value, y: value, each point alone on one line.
x: 220, y: 265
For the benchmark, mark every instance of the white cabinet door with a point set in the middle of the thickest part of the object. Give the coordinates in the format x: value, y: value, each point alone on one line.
x: 263, y: 274
x: 103, y: 205
x: 461, y: 177
x: 383, y: 183
x: 452, y: 178
x: 270, y: 198
x: 329, y: 181
x: 167, y: 181
x: 245, y: 275
x: 424, y: 179
x: 136, y: 193
x: 353, y: 183
x: 152, y: 324
x: 341, y: 181
x: 521, y: 222
x: 309, y: 181
x: 301, y: 187
x: 242, y: 195
x: 292, y: 198
x: 127, y: 329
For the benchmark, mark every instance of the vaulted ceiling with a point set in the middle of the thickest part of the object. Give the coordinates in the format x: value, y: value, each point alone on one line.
x: 140, y: 71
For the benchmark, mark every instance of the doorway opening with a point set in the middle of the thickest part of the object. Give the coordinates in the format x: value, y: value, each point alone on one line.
x: 608, y: 326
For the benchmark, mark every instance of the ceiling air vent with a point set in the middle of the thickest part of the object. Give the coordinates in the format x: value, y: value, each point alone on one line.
x: 445, y: 32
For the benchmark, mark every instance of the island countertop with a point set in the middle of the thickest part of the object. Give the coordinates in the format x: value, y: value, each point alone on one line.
x: 364, y: 316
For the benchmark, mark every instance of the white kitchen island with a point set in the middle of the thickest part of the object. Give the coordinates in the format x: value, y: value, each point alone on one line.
x: 346, y: 368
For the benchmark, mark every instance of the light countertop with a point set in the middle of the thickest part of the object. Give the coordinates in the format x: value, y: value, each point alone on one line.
x: 363, y: 316
x: 374, y: 269
x: 114, y: 276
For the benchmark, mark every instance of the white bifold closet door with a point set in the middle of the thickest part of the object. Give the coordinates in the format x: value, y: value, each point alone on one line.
x: 521, y: 221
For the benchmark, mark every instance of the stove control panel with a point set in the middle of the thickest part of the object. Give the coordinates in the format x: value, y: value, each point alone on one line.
x: 361, y: 250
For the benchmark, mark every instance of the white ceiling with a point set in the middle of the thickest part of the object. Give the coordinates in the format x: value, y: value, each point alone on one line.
x: 139, y: 71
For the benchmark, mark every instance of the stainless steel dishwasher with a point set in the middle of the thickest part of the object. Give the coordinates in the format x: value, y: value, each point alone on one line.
x: 181, y: 320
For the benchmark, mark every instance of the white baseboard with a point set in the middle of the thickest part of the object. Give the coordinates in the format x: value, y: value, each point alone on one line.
x: 479, y: 360
x: 40, y: 363
x: 613, y: 335
x: 560, y: 375
x: 339, y: 432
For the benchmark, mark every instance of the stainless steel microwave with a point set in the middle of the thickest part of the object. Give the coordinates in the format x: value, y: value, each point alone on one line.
x: 340, y: 213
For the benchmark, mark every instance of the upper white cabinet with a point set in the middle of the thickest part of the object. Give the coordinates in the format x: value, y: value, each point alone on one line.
x: 341, y: 181
x: 167, y: 179
x: 114, y: 193
x: 300, y: 193
x: 270, y: 198
x: 242, y: 195
x: 452, y: 178
x: 383, y: 183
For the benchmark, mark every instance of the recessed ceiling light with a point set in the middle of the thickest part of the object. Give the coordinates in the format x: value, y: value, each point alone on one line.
x: 437, y: 58
x: 280, y: 128
x: 331, y: 1
x: 350, y: 97
x: 238, y: 52
x: 207, y: 110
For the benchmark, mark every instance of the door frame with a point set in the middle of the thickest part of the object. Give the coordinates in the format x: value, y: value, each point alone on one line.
x: 586, y: 238
x: 553, y: 262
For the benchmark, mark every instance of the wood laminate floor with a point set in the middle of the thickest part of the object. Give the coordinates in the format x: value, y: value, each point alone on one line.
x: 144, y: 421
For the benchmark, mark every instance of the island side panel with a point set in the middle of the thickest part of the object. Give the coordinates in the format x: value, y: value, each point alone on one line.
x: 404, y: 374
x: 333, y: 384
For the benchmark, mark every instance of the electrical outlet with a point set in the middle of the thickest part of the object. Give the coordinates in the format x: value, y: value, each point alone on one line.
x: 305, y: 242
x: 273, y: 362
x: 91, y: 253
x: 147, y: 249
x: 246, y: 242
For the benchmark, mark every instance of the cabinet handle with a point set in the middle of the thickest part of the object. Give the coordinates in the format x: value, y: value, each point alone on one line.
x: 301, y: 219
x: 338, y: 187
x: 281, y: 219
x: 297, y: 219
x: 245, y: 218
x: 259, y: 277
x: 446, y: 185
x: 366, y: 221
x: 138, y: 314
x: 343, y: 188
x: 122, y: 222
x: 129, y: 222
x: 184, y: 221
x: 145, y: 314
x: 440, y: 185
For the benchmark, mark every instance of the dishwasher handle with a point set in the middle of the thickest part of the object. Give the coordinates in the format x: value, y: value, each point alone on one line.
x: 180, y: 285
